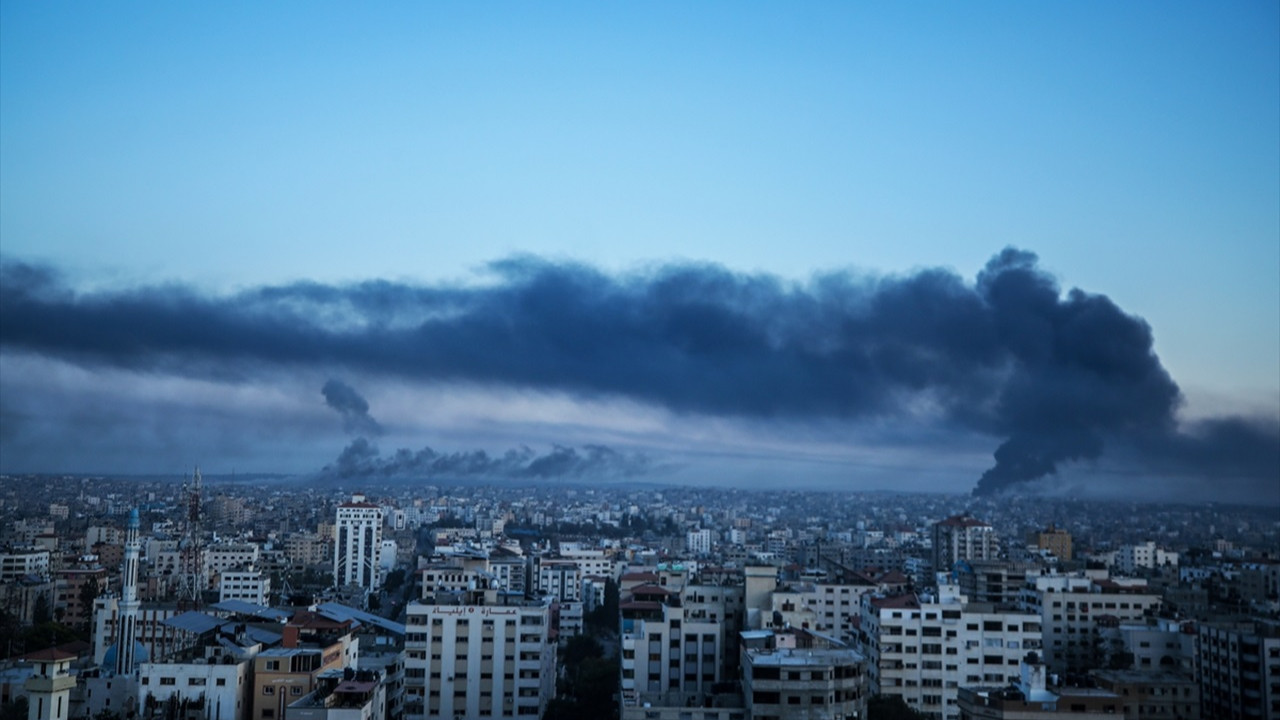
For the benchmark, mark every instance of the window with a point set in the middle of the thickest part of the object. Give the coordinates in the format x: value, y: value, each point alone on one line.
x: 268, y: 690
x: 168, y: 681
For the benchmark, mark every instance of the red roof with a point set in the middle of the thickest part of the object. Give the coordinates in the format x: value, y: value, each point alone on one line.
x: 49, y: 654
x: 896, y: 602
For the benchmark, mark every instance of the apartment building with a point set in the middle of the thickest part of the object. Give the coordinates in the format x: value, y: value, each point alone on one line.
x: 925, y: 650
x: 16, y: 564
x: 797, y: 674
x: 962, y: 538
x: 833, y: 610
x: 358, y: 544
x: 342, y: 695
x: 251, y: 586
x: 1239, y: 669
x: 210, y: 678
x: 560, y: 579
x: 1070, y: 608
x: 478, y: 652
x: 677, y: 639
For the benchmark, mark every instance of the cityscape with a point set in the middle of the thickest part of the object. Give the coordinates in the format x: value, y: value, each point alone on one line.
x: 640, y: 361
x: 229, y: 598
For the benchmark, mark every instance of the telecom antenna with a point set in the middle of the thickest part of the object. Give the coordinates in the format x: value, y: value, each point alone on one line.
x: 192, y: 581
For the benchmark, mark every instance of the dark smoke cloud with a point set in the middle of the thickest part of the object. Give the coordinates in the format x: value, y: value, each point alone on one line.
x: 1058, y: 378
x: 352, y: 406
x: 361, y: 459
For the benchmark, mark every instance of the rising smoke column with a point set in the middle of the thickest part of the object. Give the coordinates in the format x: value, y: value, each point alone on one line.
x: 1054, y: 377
x: 354, y: 409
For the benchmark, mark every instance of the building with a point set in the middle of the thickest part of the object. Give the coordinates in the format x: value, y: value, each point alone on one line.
x: 150, y: 629
x: 251, y: 586
x: 962, y: 538
x: 993, y: 581
x: 210, y: 679
x: 680, y: 638
x: 1239, y: 670
x: 1053, y: 539
x: 16, y: 564
x: 1032, y: 698
x: 343, y: 695
x: 698, y: 542
x: 560, y: 579
x: 49, y: 687
x: 1152, y: 695
x: 476, y: 650
x: 923, y: 651
x: 358, y: 545
x: 1132, y: 559
x: 798, y: 674
x: 1071, y: 607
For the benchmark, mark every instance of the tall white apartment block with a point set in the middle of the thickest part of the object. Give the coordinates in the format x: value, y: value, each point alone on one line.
x: 479, y: 653
x: 698, y: 542
x: 358, y: 544
x: 560, y: 579
x: 962, y: 538
x: 925, y: 651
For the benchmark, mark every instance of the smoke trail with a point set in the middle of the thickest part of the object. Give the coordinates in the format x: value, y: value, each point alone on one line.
x: 1055, y: 377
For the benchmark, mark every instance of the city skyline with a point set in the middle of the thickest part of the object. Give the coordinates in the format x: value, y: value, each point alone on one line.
x: 160, y: 160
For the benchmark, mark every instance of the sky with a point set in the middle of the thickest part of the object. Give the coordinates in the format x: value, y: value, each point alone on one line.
x: 822, y: 244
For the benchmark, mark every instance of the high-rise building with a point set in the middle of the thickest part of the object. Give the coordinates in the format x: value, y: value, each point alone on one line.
x: 962, y: 538
x: 1239, y: 669
x: 358, y: 544
x: 922, y: 651
x: 477, y: 652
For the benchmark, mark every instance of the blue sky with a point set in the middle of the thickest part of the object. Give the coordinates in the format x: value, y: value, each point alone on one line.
x: 1135, y: 147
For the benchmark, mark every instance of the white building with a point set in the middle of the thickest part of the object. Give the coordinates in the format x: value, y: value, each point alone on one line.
x: 358, y: 544
x: 230, y: 556
x: 1070, y: 607
x: 924, y: 651
x: 1132, y: 559
x: 49, y: 687
x: 17, y: 564
x: 560, y: 579
x: 478, y: 653
x: 962, y: 538
x: 250, y: 586
x: 212, y: 678
x: 698, y: 542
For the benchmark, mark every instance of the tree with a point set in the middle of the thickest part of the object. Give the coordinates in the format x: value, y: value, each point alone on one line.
x: 41, y: 613
x: 15, y: 709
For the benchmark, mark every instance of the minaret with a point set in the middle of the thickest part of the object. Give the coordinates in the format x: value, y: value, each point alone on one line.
x: 126, y: 626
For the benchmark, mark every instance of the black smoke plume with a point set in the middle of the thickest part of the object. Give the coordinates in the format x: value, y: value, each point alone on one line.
x: 1058, y: 378
x: 361, y: 459
x: 352, y: 406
